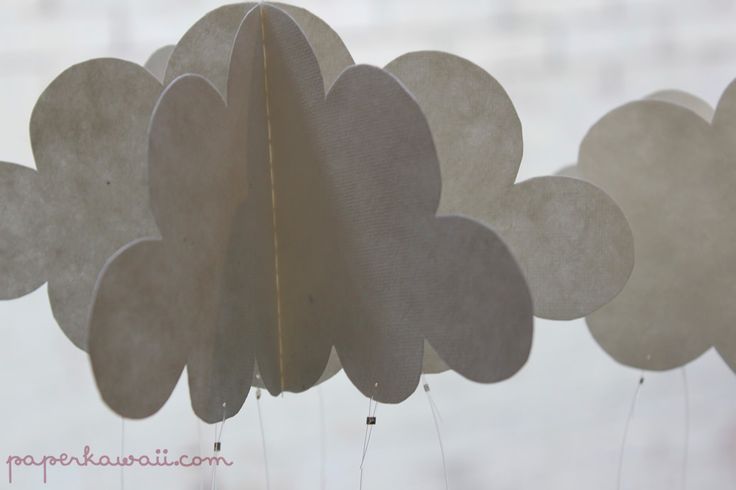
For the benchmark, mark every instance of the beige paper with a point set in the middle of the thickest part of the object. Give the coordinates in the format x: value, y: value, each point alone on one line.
x: 570, y: 238
x: 88, y: 198
x: 292, y: 221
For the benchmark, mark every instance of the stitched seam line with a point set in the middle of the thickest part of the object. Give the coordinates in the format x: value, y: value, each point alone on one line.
x: 273, y: 202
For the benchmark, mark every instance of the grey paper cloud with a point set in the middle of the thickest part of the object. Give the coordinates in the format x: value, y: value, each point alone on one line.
x: 88, y: 197
x: 205, y: 50
x: 292, y: 221
x: 570, y: 238
x: 672, y: 172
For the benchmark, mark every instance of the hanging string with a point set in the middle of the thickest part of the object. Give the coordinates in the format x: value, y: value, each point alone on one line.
x: 122, y: 453
x: 263, y: 439
x: 686, y: 447
x: 436, y: 418
x: 632, y: 408
x: 218, y: 446
x: 433, y: 405
x: 369, y: 424
x: 323, y: 439
x: 202, y: 476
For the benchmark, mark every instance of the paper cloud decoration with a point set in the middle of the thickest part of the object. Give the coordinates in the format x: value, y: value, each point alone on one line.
x: 87, y: 198
x: 672, y: 172
x: 297, y: 212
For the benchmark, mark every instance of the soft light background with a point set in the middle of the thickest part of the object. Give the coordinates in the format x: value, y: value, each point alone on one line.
x: 558, y: 424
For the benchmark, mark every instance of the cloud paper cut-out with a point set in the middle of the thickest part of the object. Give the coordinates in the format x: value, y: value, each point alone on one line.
x: 570, y: 238
x: 292, y: 221
x: 88, y: 198
x: 672, y: 172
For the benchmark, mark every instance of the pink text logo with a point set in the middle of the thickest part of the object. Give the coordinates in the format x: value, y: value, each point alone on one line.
x: 161, y: 460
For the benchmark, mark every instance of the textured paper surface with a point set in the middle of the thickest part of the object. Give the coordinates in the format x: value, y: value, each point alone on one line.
x: 159, y: 61
x: 290, y: 222
x: 88, y: 198
x: 672, y: 173
x: 569, y: 237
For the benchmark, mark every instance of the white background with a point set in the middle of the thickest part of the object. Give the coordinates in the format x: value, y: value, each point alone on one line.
x: 558, y: 424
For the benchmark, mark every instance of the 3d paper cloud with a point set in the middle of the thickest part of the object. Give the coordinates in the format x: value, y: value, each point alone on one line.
x: 672, y: 173
x: 205, y: 50
x: 88, y: 197
x: 571, y: 240
x: 292, y: 221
